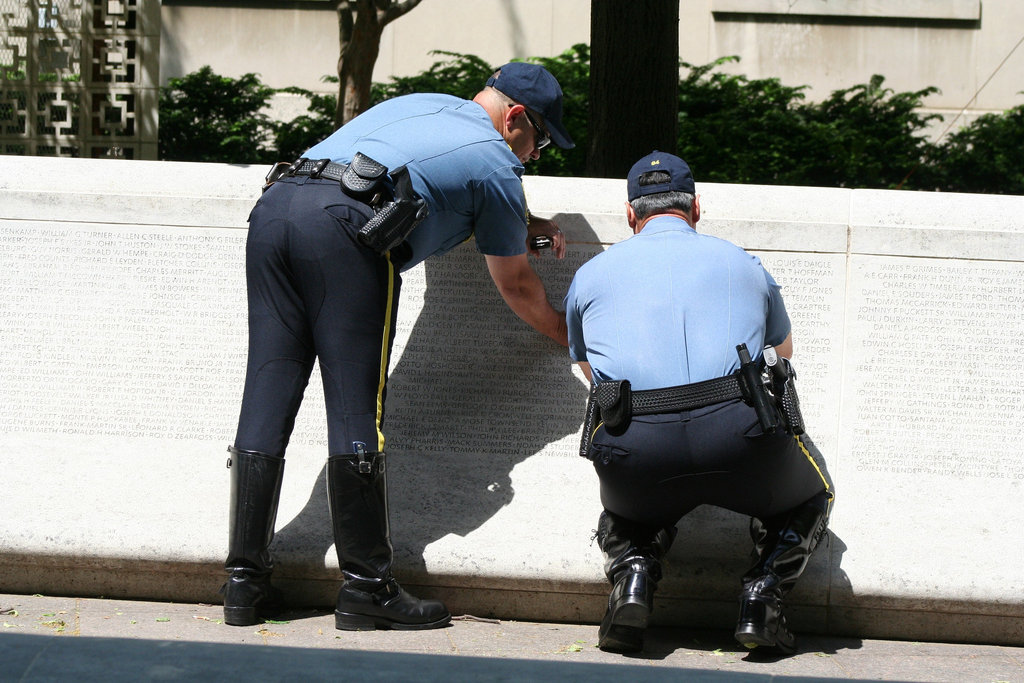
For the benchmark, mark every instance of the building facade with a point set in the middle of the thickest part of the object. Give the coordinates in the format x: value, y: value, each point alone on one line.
x: 969, y: 49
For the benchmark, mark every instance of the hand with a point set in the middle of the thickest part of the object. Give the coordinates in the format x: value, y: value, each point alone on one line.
x: 546, y: 226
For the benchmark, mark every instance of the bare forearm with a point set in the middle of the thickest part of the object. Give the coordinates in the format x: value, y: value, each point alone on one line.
x: 524, y: 293
x: 533, y: 307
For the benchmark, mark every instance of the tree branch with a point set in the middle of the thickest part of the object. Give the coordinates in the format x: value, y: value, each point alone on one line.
x: 395, y: 10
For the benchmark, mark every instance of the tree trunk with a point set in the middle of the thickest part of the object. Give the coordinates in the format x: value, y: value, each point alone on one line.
x: 634, y: 82
x: 360, y: 25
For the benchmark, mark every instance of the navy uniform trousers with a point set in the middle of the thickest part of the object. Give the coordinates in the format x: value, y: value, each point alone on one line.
x: 663, y: 466
x: 315, y: 292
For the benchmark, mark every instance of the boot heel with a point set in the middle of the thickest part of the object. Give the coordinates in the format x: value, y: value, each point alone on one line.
x: 344, y: 621
x: 241, y: 616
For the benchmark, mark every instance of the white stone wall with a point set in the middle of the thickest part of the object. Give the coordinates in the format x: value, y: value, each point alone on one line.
x: 122, y: 348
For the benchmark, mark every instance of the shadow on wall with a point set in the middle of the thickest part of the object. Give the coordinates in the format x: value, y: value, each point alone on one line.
x: 475, y: 392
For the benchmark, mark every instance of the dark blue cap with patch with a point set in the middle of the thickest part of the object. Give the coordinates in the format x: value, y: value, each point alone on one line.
x: 680, y: 179
x: 533, y: 86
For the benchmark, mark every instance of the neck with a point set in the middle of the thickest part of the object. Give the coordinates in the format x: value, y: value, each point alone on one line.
x: 671, y: 212
x: 494, y: 108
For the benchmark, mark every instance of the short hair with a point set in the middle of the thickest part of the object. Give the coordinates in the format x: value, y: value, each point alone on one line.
x: 651, y: 204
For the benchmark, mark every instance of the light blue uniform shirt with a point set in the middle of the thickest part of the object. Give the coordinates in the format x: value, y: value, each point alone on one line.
x: 460, y: 165
x: 668, y: 306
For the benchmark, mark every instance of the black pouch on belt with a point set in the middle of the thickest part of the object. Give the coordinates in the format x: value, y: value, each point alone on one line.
x: 365, y: 179
x: 615, y: 399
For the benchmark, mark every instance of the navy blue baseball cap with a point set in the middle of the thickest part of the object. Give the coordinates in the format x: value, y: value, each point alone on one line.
x: 680, y: 179
x: 533, y: 86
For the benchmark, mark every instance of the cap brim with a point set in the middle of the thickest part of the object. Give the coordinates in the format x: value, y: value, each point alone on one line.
x: 559, y: 135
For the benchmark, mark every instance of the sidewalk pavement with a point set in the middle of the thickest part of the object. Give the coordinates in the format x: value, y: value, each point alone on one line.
x: 44, y: 638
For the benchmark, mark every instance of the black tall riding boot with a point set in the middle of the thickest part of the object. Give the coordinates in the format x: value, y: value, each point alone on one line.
x: 633, y: 566
x: 255, y: 492
x: 370, y: 597
x: 783, y: 545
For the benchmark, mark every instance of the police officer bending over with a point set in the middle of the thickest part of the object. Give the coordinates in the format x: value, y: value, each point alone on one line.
x: 411, y: 178
x: 680, y: 415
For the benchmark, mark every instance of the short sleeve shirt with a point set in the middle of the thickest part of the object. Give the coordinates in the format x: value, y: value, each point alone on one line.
x: 460, y: 165
x: 668, y: 306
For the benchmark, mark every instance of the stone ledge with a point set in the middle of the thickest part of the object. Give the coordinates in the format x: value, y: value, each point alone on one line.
x: 122, y: 350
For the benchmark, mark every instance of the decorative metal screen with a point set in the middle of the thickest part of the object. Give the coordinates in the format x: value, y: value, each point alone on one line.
x: 79, y: 78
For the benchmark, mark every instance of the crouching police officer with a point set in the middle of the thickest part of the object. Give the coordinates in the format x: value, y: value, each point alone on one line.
x: 411, y: 178
x: 664, y: 325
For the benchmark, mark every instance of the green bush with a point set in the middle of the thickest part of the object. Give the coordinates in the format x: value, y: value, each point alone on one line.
x: 868, y: 136
x: 983, y: 157
x: 731, y: 129
x: 206, y: 117
x: 294, y: 137
x: 734, y: 130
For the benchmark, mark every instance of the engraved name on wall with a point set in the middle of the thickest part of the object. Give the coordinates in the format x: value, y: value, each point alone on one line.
x: 933, y: 349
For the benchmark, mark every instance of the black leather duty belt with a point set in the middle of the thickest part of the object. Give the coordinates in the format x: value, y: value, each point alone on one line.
x: 686, y: 396
x: 320, y: 169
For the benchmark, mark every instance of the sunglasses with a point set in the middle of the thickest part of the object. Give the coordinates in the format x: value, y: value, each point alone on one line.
x: 541, y: 138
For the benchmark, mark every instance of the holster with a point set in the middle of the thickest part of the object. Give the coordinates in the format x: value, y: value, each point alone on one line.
x: 755, y: 392
x: 395, y: 220
x: 786, y: 399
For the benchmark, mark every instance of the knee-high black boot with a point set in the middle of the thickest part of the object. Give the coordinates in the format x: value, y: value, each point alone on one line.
x: 255, y: 492
x: 370, y: 597
x: 633, y: 555
x: 783, y: 546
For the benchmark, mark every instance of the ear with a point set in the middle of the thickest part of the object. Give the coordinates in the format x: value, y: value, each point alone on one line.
x: 631, y: 217
x: 512, y: 113
x: 696, y: 210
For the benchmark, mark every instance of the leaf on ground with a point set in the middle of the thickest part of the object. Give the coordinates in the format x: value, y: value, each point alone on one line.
x: 162, y: 619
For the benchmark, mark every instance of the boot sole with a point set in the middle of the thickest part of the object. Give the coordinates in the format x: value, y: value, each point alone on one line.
x: 345, y: 621
x: 754, y: 635
x: 625, y: 628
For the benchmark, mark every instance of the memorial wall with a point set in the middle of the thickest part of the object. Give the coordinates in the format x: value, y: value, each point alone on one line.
x: 122, y: 352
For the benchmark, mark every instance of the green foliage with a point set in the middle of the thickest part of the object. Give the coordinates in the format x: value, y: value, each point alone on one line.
x: 984, y: 157
x: 296, y: 136
x: 731, y: 129
x: 735, y: 130
x: 572, y: 70
x: 206, y: 117
x: 460, y: 75
x: 869, y: 136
